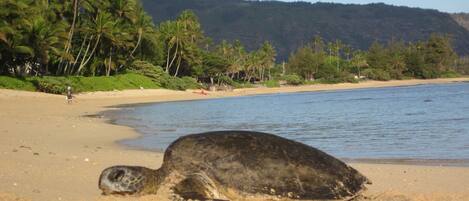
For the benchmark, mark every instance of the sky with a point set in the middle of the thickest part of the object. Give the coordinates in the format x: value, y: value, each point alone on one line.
x: 451, y: 6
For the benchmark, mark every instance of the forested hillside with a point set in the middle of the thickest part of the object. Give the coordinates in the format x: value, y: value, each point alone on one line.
x: 289, y: 25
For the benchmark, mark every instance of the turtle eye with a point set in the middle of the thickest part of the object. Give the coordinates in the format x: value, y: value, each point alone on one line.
x: 116, y: 175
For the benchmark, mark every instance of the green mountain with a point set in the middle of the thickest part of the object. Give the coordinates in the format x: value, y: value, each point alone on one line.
x: 289, y: 25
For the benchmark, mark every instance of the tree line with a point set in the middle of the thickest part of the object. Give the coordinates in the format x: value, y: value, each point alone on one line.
x: 336, y: 61
x: 104, y: 38
x: 110, y: 37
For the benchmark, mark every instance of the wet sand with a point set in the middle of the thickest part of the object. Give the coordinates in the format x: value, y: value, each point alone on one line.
x: 50, y: 150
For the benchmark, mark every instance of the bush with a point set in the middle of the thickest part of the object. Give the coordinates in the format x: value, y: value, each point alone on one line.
x: 293, y: 79
x: 312, y: 82
x: 450, y: 74
x: 226, y: 80
x: 429, y: 73
x: 271, y: 83
x: 53, y: 85
x: 117, y: 82
x: 161, y: 78
x: 330, y: 81
x: 58, y: 85
x: 184, y: 83
x: 240, y: 85
x: 155, y: 73
x: 16, y: 83
x: 347, y: 77
x: 190, y: 83
x: 377, y: 74
x: 340, y: 78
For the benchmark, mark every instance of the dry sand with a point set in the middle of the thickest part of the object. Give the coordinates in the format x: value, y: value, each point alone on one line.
x: 50, y: 151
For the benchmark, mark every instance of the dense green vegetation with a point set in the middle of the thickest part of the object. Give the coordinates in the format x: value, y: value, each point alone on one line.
x: 15, y: 83
x: 113, y: 44
x: 112, y: 37
x: 70, y: 37
x: 58, y: 84
x: 290, y: 25
x: 337, y: 62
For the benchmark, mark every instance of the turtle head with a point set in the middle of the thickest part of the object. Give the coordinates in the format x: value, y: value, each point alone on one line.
x: 126, y: 180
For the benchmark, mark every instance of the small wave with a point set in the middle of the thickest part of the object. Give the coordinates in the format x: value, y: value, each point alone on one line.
x: 167, y: 130
x: 415, y: 113
x: 339, y: 100
x: 358, y: 99
x: 456, y: 119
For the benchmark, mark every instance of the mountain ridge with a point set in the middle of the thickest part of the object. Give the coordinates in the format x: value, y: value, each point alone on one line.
x: 291, y: 24
x: 462, y: 19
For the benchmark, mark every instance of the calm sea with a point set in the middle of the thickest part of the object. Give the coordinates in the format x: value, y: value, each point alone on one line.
x: 416, y: 122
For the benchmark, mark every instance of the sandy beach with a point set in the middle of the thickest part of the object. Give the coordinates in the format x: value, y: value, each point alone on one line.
x: 50, y: 150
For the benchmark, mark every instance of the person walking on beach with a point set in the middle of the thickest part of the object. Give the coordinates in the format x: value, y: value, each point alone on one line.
x: 69, y: 95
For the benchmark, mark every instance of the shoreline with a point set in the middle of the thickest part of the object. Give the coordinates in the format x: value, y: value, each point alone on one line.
x: 461, y: 163
x: 113, y: 116
x: 52, y: 151
x: 440, y: 162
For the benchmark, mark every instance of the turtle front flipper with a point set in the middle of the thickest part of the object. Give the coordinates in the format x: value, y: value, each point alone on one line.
x: 198, y: 186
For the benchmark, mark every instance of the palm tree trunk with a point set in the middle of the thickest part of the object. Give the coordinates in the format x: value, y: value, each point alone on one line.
x: 84, y: 56
x: 72, y: 27
x: 92, y: 52
x: 140, y: 33
x: 167, y: 59
x: 79, y: 55
x: 263, y: 74
x: 174, y: 57
x: 177, y: 69
x: 269, y: 74
x: 68, y: 45
x: 108, y: 71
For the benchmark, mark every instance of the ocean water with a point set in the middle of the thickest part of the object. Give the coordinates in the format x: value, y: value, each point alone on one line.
x: 415, y: 122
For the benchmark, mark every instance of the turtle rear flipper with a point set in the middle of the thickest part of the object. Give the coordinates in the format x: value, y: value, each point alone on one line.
x: 198, y: 186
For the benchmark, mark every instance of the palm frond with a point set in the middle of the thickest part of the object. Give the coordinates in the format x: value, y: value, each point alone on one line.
x: 24, y: 50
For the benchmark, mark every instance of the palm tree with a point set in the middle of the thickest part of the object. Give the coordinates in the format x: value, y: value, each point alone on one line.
x: 68, y: 45
x: 359, y: 62
x: 251, y: 65
x: 47, y: 40
x: 172, y: 35
x: 143, y: 24
x: 123, y: 9
x: 97, y: 27
x: 240, y: 58
x: 117, y: 42
x: 267, y: 58
x: 191, y: 40
x: 13, y: 54
x: 226, y: 50
x: 183, y: 38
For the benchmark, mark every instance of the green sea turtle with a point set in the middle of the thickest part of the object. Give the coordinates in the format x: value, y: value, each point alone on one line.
x: 238, y: 165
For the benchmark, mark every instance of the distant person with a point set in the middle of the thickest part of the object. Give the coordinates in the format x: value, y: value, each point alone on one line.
x: 69, y: 95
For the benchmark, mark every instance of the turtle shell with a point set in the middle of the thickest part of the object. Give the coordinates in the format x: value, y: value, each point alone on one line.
x: 260, y: 163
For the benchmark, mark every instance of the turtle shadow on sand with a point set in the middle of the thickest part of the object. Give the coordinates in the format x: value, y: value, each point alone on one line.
x: 239, y: 165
